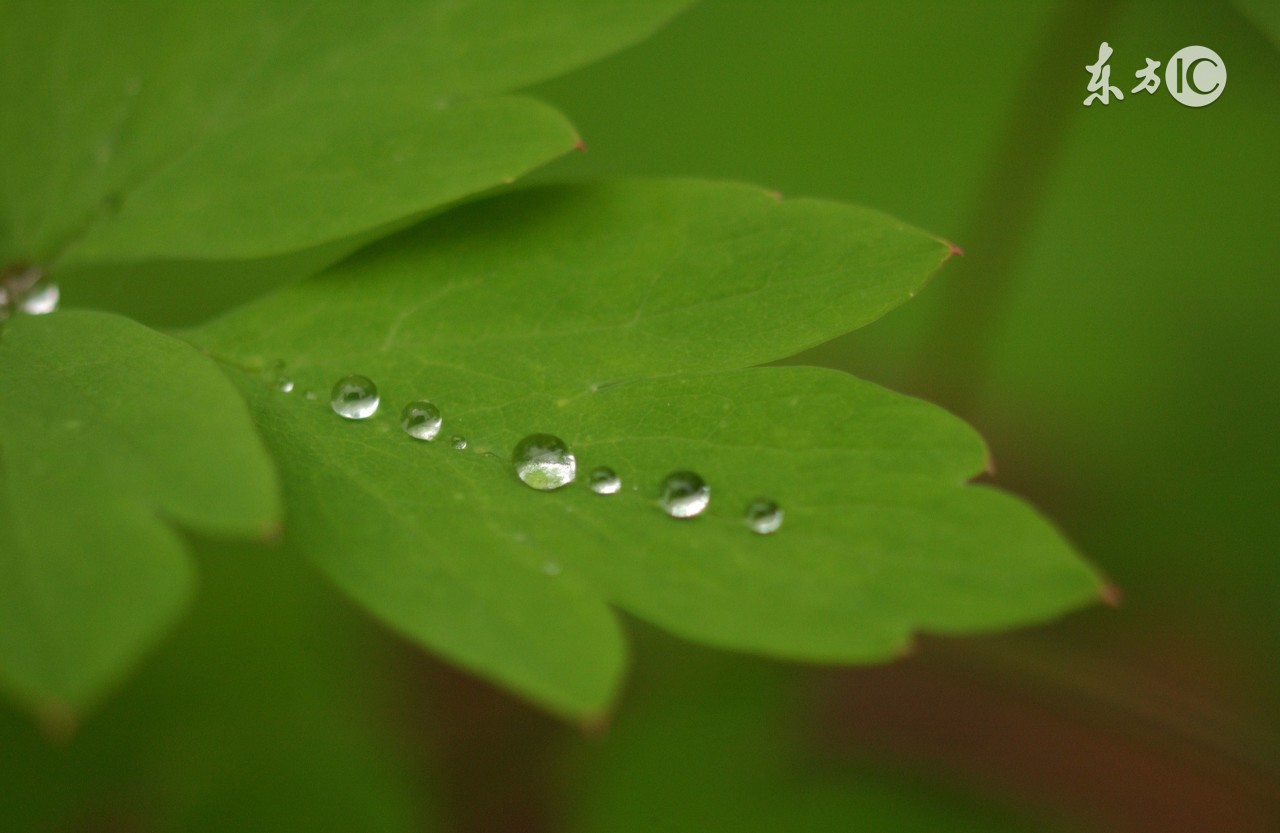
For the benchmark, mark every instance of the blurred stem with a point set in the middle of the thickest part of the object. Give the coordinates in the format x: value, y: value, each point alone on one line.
x: 954, y: 356
x: 1107, y: 689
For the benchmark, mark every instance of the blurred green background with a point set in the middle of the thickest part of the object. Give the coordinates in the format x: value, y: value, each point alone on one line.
x: 1113, y: 331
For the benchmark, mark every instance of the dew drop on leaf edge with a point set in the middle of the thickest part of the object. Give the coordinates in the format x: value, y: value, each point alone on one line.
x: 421, y: 420
x: 763, y: 516
x: 684, y: 494
x: 604, y: 481
x: 544, y: 462
x: 355, y: 397
x: 42, y: 300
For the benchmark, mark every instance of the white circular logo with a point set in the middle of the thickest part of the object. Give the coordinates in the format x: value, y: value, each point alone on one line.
x: 1195, y: 76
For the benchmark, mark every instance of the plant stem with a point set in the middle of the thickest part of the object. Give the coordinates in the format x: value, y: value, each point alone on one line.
x: 954, y: 356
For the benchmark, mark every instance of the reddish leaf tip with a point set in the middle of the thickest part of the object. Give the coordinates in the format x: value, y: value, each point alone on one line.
x: 1111, y: 595
x: 271, y: 532
x: 596, y: 725
x: 57, y: 721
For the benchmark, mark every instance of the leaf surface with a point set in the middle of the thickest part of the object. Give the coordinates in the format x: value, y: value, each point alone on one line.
x: 250, y: 128
x: 620, y: 317
x: 110, y: 435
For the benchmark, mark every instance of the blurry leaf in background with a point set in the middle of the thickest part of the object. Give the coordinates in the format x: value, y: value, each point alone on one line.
x: 111, y: 434
x: 250, y: 128
x: 721, y: 744
x: 260, y: 714
x: 1129, y: 385
x: 598, y: 313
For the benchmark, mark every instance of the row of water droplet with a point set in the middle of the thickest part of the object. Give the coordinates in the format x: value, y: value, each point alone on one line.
x: 544, y: 461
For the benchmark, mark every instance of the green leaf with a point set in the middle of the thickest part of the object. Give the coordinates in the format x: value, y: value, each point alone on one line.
x: 264, y: 188
x: 619, y: 317
x: 110, y: 434
x: 254, y: 127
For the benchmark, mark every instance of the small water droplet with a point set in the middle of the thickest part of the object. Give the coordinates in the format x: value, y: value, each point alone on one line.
x: 421, y: 420
x: 41, y: 301
x: 285, y: 385
x: 604, y: 481
x: 355, y: 397
x: 458, y: 442
x: 551, y: 568
x: 544, y: 462
x: 763, y: 516
x: 684, y: 494
x: 310, y: 395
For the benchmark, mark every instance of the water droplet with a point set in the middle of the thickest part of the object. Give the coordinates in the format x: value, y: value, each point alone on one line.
x: 421, y: 420
x: 310, y: 395
x: 285, y: 385
x: 41, y: 301
x: 763, y: 516
x: 684, y: 494
x: 355, y: 397
x: 544, y: 462
x: 551, y: 568
x: 604, y: 481
x: 458, y: 442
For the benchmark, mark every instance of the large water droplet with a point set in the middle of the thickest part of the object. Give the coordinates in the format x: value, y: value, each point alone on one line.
x: 684, y: 494
x: 355, y: 397
x: 544, y: 462
x: 458, y: 442
x: 604, y: 481
x: 763, y: 516
x: 421, y: 420
x: 42, y: 300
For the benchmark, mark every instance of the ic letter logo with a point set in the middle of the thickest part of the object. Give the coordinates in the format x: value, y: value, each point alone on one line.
x: 1195, y: 76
